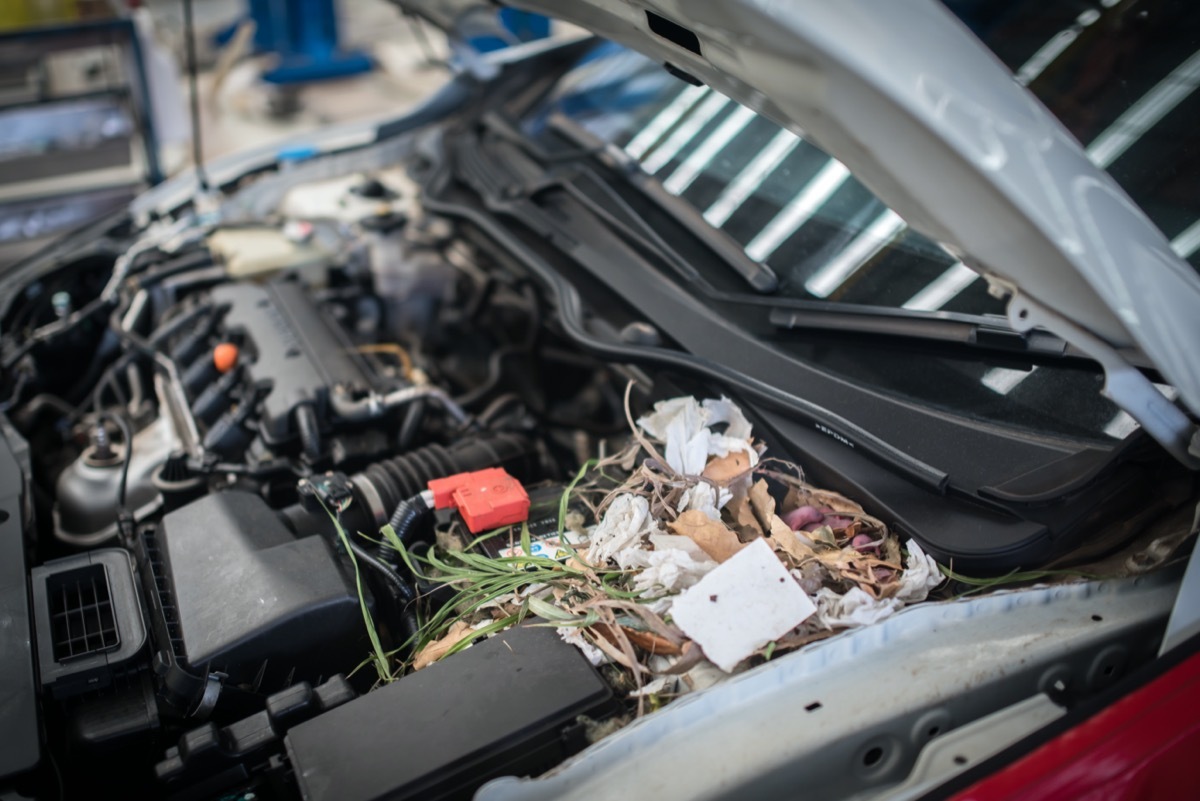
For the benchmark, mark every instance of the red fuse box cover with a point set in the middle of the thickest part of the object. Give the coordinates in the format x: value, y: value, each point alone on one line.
x: 486, y: 499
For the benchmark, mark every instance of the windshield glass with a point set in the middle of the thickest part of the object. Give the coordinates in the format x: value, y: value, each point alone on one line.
x: 1120, y: 75
x: 787, y: 203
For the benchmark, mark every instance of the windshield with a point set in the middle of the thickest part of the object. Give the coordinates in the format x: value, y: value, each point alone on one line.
x: 1121, y: 77
x: 787, y: 203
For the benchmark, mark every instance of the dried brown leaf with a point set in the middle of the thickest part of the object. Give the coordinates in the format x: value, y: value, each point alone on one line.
x: 724, y: 469
x: 435, y: 650
x: 794, y: 640
x: 742, y: 519
x: 714, y: 537
x: 692, y: 656
x: 762, y: 504
x: 891, y: 549
x: 824, y: 536
x: 652, y: 643
x: 785, y: 540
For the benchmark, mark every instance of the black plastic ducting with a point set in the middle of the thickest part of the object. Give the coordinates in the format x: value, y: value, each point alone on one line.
x: 404, y: 476
x: 88, y: 620
x: 399, y: 478
x: 245, y: 590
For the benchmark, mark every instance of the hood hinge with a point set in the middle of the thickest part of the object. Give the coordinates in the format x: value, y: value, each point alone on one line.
x: 1124, y: 384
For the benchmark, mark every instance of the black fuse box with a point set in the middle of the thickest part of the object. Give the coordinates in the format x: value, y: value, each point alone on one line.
x: 505, y: 706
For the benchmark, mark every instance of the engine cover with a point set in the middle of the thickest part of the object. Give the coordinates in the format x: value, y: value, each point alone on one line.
x: 293, y: 347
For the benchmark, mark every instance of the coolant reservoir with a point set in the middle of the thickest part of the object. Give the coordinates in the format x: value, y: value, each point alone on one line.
x: 411, y: 277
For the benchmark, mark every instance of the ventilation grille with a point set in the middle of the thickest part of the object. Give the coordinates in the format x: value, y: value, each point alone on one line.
x: 166, y: 600
x: 81, y: 614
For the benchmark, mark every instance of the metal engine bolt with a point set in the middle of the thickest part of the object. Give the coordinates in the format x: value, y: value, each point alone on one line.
x: 61, y: 303
x: 101, y: 452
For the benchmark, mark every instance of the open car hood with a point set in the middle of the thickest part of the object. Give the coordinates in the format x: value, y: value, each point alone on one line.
x: 918, y: 109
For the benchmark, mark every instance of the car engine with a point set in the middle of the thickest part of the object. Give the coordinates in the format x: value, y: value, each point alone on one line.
x: 209, y: 412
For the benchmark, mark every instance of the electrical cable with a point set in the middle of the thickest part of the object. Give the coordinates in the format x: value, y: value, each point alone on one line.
x: 189, y: 34
x: 406, y: 516
x: 126, y: 434
x: 405, y: 595
x: 310, y: 431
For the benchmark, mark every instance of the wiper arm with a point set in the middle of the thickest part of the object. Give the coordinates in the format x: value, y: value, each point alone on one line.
x: 794, y: 313
x: 588, y: 188
x: 935, y: 326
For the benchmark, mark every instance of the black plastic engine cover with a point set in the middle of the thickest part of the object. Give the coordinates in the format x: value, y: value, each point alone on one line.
x: 506, y: 706
x: 292, y: 345
x: 246, y: 590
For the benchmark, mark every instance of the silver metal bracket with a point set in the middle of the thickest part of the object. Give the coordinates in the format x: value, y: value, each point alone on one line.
x: 1184, y: 622
x: 1123, y: 383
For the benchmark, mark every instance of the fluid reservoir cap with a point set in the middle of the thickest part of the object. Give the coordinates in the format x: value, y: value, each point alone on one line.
x: 225, y: 357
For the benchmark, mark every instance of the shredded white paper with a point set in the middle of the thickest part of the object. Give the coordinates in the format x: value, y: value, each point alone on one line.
x: 675, y: 564
x: 575, y: 637
x: 855, y: 608
x: 921, y: 575
x: 683, y: 424
x: 705, y: 498
x: 625, y: 521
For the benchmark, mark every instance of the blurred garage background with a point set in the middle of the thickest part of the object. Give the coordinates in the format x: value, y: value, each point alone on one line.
x: 95, y: 103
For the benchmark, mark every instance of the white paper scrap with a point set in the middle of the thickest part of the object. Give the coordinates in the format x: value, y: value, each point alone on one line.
x: 921, y: 575
x: 741, y: 605
x: 671, y: 571
x: 855, y: 608
x: 675, y: 564
x: 726, y: 411
x: 705, y: 498
x: 683, y: 426
x: 575, y: 637
x: 626, y: 519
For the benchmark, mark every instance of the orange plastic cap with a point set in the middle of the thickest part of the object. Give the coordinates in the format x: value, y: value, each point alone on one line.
x: 225, y: 357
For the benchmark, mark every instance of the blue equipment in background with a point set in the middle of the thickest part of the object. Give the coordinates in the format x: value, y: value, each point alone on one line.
x: 513, y: 27
x: 305, y: 35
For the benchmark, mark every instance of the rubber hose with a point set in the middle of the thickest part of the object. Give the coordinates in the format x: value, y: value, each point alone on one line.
x: 181, y: 264
x: 411, y: 426
x: 310, y: 431
x: 408, y: 513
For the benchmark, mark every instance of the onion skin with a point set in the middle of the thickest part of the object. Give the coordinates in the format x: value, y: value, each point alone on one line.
x: 803, y: 516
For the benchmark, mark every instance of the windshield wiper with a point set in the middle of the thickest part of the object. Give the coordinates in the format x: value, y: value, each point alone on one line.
x: 936, y: 326
x: 590, y: 189
x: 480, y: 175
x: 758, y: 276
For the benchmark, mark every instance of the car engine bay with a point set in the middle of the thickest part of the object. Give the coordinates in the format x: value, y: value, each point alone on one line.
x: 205, y: 409
x: 194, y: 425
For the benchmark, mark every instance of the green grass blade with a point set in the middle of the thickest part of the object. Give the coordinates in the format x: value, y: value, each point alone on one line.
x: 381, y: 661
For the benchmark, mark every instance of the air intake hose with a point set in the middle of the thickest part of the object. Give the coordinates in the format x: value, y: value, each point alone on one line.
x: 381, y: 488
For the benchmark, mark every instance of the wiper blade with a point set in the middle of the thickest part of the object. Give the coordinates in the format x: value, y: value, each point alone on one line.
x: 985, y: 332
x: 590, y: 189
x: 935, y: 326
